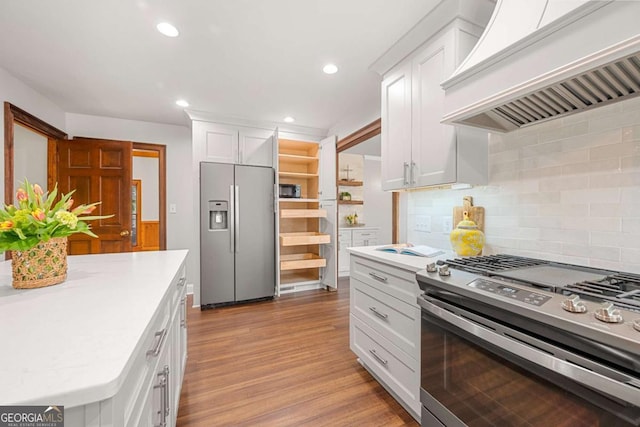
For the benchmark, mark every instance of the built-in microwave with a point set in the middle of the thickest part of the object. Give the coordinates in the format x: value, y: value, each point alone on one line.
x: 290, y: 191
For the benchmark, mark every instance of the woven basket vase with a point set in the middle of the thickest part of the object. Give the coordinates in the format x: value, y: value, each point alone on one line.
x: 43, y: 265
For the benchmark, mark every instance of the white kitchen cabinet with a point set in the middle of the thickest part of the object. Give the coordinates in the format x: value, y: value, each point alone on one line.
x: 384, y: 324
x: 233, y: 144
x: 352, y: 237
x: 417, y: 150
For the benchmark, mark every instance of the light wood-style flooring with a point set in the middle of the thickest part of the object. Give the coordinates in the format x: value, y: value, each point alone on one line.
x: 281, y: 363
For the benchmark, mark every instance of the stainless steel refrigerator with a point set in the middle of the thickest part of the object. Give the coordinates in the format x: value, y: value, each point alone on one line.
x: 237, y: 233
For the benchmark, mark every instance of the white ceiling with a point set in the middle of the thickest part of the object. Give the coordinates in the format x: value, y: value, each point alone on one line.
x: 253, y: 59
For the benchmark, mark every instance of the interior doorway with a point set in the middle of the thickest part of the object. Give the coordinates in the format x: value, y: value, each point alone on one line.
x: 367, y: 215
x: 30, y: 151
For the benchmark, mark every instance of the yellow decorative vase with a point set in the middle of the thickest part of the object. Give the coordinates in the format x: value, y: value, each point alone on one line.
x: 467, y: 239
x: 43, y: 265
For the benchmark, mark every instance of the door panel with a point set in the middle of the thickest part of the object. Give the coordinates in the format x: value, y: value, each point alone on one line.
x: 217, y: 276
x: 255, y: 252
x: 328, y: 190
x: 99, y: 170
x: 329, y: 251
x: 256, y: 147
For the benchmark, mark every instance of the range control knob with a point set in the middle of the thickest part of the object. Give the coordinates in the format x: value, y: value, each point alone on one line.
x: 608, y: 313
x: 574, y: 305
x: 431, y: 267
x: 444, y: 270
x: 636, y: 325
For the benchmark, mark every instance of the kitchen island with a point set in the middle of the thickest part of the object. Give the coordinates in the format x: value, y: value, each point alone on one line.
x: 109, y: 343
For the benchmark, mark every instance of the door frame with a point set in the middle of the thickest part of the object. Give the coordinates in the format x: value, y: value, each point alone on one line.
x: 13, y: 114
x: 161, y: 151
x: 361, y: 135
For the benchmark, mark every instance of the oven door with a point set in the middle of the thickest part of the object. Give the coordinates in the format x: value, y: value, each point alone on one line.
x: 473, y: 373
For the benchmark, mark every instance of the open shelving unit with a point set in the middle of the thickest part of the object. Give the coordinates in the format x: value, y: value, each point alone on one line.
x: 300, y: 237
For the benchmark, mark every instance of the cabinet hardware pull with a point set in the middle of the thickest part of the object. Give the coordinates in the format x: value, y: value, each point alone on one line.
x: 406, y: 179
x: 378, y: 358
x: 377, y: 313
x: 183, y: 312
x: 166, y: 391
x: 378, y: 277
x: 156, y: 349
x: 181, y: 282
x: 413, y: 175
x: 162, y: 385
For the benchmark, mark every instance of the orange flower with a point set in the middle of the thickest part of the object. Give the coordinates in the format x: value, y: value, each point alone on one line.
x: 38, y: 214
x: 38, y: 190
x: 6, y: 225
x: 21, y: 195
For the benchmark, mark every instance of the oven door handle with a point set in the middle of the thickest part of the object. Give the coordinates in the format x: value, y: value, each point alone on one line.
x: 580, y: 375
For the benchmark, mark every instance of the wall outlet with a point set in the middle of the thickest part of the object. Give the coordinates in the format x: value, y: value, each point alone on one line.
x: 173, y: 208
x: 447, y: 224
x: 423, y: 223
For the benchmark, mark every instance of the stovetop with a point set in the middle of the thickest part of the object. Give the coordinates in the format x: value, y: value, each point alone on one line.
x: 599, y: 304
x: 599, y: 285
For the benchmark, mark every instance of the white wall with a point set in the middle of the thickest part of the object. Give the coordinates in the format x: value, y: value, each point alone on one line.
x: 356, y: 121
x: 29, y: 157
x: 567, y: 190
x: 146, y: 170
x: 17, y: 93
x: 181, y: 227
x: 378, y: 203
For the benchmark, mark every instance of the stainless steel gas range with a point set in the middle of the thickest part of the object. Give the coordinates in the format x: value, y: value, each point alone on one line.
x: 514, y: 341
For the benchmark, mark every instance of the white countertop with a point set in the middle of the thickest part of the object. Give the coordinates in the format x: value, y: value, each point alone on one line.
x: 70, y: 344
x: 407, y: 262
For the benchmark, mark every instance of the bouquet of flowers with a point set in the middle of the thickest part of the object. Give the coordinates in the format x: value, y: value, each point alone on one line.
x: 38, y: 217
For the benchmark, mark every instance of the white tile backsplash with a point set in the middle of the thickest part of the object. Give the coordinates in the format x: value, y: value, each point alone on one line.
x: 567, y: 190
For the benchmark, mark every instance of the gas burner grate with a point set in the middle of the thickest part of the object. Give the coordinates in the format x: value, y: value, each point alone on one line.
x: 622, y: 289
x: 492, y: 263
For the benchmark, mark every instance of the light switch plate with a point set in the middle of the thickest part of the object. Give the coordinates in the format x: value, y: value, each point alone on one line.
x: 173, y: 208
x: 447, y: 224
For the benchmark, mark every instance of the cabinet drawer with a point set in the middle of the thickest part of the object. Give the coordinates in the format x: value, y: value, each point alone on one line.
x: 395, y: 320
x: 398, y: 371
x: 386, y: 278
x: 365, y: 234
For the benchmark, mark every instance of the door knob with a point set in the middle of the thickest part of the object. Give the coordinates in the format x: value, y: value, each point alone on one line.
x: 124, y: 233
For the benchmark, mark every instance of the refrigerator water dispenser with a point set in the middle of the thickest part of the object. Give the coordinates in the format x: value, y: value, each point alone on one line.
x: 218, y: 210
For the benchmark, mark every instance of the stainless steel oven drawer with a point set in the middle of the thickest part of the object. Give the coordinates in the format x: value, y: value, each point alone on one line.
x: 392, y: 318
x: 394, y: 368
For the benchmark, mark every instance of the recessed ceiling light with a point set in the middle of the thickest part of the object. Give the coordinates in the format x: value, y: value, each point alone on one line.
x: 330, y: 69
x: 167, y: 29
x: 182, y: 103
x: 289, y: 119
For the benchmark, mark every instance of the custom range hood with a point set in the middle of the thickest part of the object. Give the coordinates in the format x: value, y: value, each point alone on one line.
x: 542, y: 59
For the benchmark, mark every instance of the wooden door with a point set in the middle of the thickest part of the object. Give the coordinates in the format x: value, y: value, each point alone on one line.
x: 99, y: 170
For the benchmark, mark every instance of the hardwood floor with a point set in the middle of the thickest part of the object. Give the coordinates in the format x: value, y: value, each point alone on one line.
x: 285, y: 362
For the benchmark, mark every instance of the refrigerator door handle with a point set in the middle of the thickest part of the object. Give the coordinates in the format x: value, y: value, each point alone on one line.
x: 232, y: 208
x: 237, y: 218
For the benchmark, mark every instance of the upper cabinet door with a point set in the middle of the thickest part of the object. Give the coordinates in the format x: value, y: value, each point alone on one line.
x: 216, y: 143
x: 255, y: 147
x: 327, y: 186
x: 396, y: 128
x: 433, y: 144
